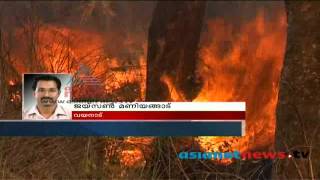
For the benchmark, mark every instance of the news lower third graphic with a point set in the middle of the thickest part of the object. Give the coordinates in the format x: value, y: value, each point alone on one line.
x: 49, y: 110
x: 138, y: 119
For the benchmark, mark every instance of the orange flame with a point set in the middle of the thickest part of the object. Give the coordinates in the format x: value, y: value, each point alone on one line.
x: 175, y: 95
x: 136, y: 155
x: 66, y: 50
x: 242, y: 67
x: 247, y: 69
x: 11, y: 83
x: 85, y: 53
x: 132, y: 158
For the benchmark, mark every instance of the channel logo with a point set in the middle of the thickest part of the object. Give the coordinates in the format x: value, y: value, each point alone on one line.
x: 243, y: 156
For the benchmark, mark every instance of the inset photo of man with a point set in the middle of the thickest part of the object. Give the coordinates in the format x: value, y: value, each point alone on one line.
x: 46, y: 96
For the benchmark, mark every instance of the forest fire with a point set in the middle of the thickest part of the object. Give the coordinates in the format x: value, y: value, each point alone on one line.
x: 81, y: 53
x: 242, y: 66
x: 61, y: 49
x: 235, y: 65
x: 263, y: 53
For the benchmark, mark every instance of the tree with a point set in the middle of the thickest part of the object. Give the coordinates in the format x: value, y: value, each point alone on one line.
x: 174, y: 36
x: 8, y: 74
x: 173, y: 41
x: 3, y: 83
x: 298, y: 110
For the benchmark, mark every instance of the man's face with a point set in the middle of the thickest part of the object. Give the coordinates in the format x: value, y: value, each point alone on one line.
x: 46, y: 93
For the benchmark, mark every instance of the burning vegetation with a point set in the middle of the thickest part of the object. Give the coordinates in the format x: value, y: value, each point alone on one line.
x: 244, y: 66
x: 241, y: 64
x: 109, y: 52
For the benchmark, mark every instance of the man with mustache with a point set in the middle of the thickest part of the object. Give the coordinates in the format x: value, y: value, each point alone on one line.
x: 46, y: 90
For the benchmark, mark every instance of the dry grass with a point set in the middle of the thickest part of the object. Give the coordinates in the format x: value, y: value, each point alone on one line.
x: 51, y: 158
x: 165, y: 164
x: 99, y: 158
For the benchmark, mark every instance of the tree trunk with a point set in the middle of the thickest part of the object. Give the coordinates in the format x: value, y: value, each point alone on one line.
x: 174, y: 37
x: 298, y: 110
x: 3, y: 83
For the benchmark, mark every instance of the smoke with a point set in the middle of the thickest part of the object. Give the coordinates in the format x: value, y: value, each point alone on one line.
x: 123, y: 25
x: 240, y: 12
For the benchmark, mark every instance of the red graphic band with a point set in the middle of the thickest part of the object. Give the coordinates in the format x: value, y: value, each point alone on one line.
x: 158, y: 115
